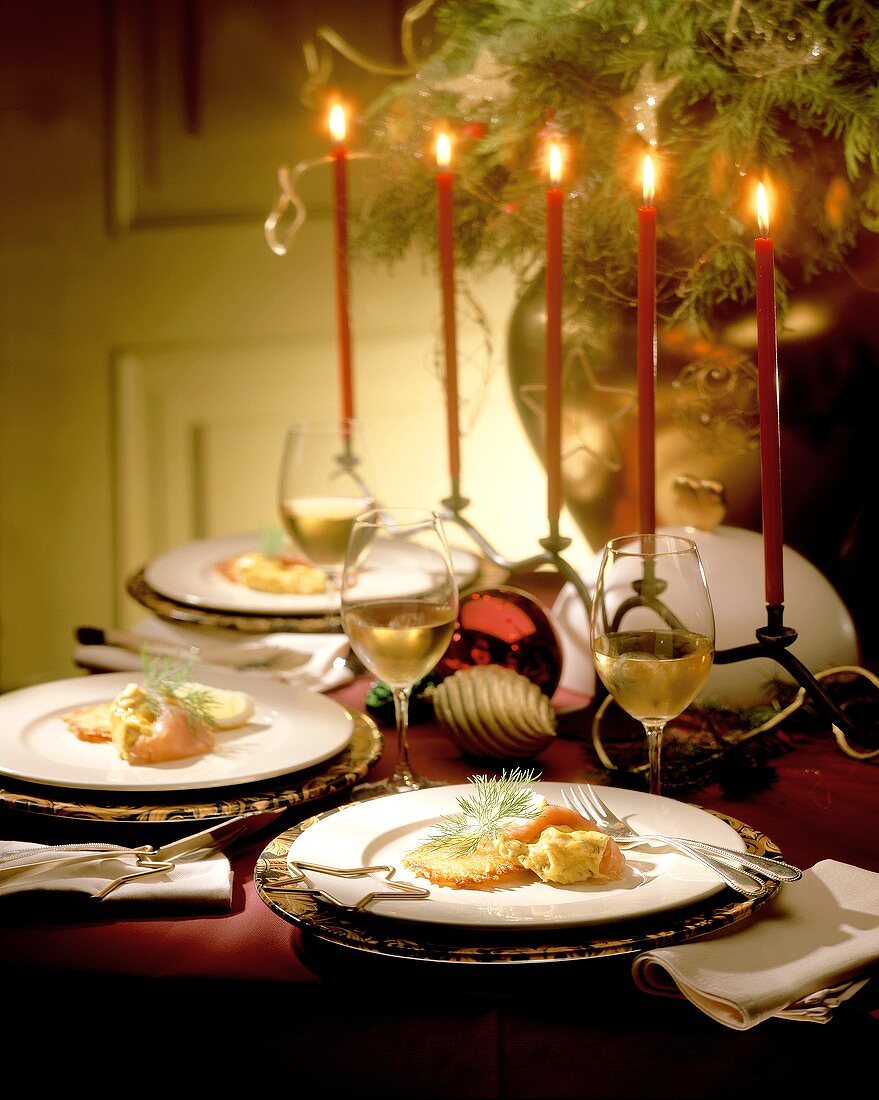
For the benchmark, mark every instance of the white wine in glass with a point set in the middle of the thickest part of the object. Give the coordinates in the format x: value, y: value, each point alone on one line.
x: 652, y: 631
x: 325, y: 481
x: 399, y: 601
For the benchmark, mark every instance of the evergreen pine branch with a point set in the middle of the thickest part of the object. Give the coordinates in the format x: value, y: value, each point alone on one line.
x: 786, y: 88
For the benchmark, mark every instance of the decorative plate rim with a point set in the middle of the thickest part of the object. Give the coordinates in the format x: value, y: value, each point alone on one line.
x: 416, y: 941
x: 249, y: 622
x: 336, y: 774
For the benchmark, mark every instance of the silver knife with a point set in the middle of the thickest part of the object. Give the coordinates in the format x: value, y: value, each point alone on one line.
x: 148, y: 860
x: 217, y: 837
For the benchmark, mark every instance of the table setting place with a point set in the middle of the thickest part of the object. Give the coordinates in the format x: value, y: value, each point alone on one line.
x: 219, y: 733
x: 363, y: 714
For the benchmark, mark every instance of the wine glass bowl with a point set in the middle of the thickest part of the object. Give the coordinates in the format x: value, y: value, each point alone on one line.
x: 325, y: 481
x: 652, y: 631
x: 399, y: 604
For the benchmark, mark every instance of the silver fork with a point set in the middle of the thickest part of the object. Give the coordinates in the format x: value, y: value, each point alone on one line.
x: 739, y: 880
x: 775, y: 869
x: 590, y: 802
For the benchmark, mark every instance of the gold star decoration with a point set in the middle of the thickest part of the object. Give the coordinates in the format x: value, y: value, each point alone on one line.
x: 577, y: 370
x: 640, y: 109
x: 487, y: 82
x: 296, y: 882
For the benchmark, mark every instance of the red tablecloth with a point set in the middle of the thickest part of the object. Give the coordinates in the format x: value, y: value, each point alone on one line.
x: 344, y: 1020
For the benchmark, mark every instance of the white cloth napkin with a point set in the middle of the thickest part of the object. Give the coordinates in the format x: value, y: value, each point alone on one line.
x: 798, y: 958
x: 323, y: 671
x: 205, y: 882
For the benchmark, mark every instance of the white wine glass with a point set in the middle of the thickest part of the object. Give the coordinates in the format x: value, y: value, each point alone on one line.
x: 325, y: 481
x: 399, y: 601
x: 652, y: 631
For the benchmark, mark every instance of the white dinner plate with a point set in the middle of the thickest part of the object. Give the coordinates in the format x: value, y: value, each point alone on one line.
x: 379, y: 832
x: 189, y: 575
x: 292, y: 729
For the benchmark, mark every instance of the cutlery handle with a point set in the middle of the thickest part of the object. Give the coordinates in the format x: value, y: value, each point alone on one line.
x: 125, y: 639
x: 771, y: 868
x: 740, y: 881
x: 68, y: 859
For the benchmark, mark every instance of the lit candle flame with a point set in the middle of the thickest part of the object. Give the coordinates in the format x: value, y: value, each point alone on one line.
x: 337, y: 123
x: 443, y: 151
x: 649, y: 184
x: 555, y: 164
x: 762, y: 211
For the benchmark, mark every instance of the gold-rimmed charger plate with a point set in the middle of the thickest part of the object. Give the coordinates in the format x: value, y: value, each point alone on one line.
x: 398, y: 939
x: 330, y: 777
x: 137, y: 586
x: 245, y: 622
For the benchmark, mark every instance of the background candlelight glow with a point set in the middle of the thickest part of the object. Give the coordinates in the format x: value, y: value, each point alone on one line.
x: 337, y: 122
x: 443, y: 151
x: 649, y: 184
x: 762, y: 211
x: 556, y: 163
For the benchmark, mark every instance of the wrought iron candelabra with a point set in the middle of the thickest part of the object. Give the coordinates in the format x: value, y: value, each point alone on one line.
x: 553, y: 545
x: 772, y: 641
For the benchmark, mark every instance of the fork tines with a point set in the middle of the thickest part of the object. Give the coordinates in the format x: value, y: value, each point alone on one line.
x: 584, y: 802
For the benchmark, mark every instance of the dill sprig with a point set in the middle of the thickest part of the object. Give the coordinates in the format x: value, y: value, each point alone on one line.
x: 164, y: 677
x: 482, y: 815
x: 272, y: 542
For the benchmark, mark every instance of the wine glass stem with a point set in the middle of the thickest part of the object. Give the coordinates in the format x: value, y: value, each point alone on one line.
x: 654, y: 750
x: 401, y: 710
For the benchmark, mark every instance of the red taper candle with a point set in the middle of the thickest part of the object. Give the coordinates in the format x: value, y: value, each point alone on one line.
x: 337, y: 126
x: 553, y: 399
x: 446, y: 230
x: 770, y: 424
x: 647, y: 353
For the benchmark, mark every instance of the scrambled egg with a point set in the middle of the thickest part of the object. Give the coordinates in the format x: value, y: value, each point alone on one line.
x: 174, y: 733
x: 130, y: 719
x: 560, y: 854
x: 272, y: 573
x: 141, y: 738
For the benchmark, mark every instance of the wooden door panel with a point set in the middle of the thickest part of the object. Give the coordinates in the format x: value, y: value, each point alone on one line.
x: 206, y: 101
x: 154, y: 348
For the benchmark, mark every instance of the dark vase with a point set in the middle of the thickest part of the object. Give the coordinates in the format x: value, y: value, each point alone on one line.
x: 707, y: 423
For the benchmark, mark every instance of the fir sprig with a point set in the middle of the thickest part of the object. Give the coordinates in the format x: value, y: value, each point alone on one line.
x: 777, y: 87
x: 483, y: 815
x: 165, y: 675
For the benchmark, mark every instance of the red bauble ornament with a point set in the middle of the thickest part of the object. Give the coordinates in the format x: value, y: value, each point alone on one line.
x: 507, y: 627
x: 474, y: 130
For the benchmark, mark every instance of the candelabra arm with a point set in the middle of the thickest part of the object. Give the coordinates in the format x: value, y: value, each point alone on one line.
x: 553, y: 545
x: 665, y: 613
x: 573, y: 577
x: 450, y: 515
x: 773, y: 642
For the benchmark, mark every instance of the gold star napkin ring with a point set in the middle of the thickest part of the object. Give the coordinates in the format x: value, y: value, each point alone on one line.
x: 292, y: 884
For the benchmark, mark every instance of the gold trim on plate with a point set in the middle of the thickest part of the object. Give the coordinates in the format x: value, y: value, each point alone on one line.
x: 399, y: 939
x: 329, y: 777
x: 488, y: 575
